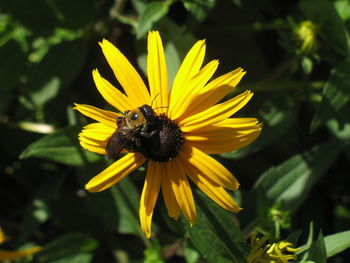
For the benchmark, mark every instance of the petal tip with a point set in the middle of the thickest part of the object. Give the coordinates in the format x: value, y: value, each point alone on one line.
x: 76, y: 106
x: 91, y: 187
x: 148, y: 235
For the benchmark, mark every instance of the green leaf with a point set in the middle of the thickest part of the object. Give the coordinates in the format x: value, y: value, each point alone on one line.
x: 215, y: 234
x: 12, y: 66
x: 317, y: 252
x: 56, y: 71
x: 61, y: 146
x: 336, y: 94
x: 340, y: 130
x: 178, y: 36
x: 343, y: 9
x: 291, y: 181
x: 153, y: 12
x: 153, y: 255
x: 139, y: 6
x: 337, y: 243
x: 126, y: 198
x: 294, y: 236
x: 173, y: 61
x: 38, y: 210
x: 177, y: 42
x: 198, y: 11
x: 278, y: 115
x: 191, y: 255
x: 78, y: 258
x: 67, y: 245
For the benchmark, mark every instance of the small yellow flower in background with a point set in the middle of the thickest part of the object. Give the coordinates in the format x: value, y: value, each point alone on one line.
x: 265, y: 251
x: 306, y: 33
x: 6, y: 255
x: 173, y: 131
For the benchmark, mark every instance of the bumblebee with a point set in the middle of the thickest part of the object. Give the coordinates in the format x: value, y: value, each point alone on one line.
x: 134, y: 128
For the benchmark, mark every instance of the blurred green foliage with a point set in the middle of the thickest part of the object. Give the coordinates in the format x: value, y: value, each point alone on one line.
x: 294, y: 177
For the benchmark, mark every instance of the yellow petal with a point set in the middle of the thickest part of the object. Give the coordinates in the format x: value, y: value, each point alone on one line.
x: 224, y: 137
x: 182, y: 189
x: 149, y: 197
x: 92, y: 145
x: 168, y: 193
x: 214, y: 91
x: 112, y: 95
x: 95, y: 142
x: 192, y: 89
x: 106, y: 117
x: 215, y: 192
x: 126, y: 74
x: 12, y: 255
x: 115, y: 172
x: 209, y: 167
x: 188, y: 69
x: 97, y: 131
x: 3, y: 236
x: 216, y: 113
x: 157, y: 73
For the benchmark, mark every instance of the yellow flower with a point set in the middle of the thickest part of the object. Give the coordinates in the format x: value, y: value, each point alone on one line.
x: 264, y: 251
x: 6, y: 255
x: 190, y: 125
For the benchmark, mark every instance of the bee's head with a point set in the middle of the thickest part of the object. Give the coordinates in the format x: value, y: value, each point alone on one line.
x: 135, y: 118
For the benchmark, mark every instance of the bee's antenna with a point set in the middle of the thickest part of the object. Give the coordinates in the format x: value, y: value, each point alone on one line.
x: 154, y: 99
x: 157, y: 107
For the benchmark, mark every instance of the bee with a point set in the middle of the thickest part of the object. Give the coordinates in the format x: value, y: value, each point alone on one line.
x: 133, y: 129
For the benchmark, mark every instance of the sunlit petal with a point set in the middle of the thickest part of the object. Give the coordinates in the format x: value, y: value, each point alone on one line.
x: 226, y: 136
x: 209, y: 167
x: 92, y: 145
x: 97, y: 131
x: 115, y: 172
x: 126, y: 74
x: 149, y: 197
x: 106, y: 117
x: 182, y: 189
x: 6, y: 255
x: 188, y: 69
x: 214, y: 91
x: 217, y: 193
x: 216, y: 113
x: 112, y: 95
x: 192, y: 89
x: 168, y: 193
x: 157, y: 73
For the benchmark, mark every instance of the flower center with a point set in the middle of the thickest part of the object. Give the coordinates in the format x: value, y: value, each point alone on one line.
x: 166, y: 143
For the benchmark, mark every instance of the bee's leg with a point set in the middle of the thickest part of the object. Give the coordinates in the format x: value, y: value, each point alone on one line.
x: 131, y: 147
x: 139, y: 146
x: 148, y: 134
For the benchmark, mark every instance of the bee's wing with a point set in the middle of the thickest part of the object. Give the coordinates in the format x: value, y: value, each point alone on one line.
x: 119, y: 141
x: 115, y: 144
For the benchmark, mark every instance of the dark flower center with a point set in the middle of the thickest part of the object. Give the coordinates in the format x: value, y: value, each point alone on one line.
x: 166, y: 143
